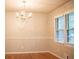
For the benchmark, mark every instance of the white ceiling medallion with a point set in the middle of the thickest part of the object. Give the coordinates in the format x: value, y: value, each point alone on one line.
x: 24, y: 14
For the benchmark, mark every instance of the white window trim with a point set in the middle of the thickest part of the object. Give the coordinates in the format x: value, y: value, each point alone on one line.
x: 55, y: 30
x: 65, y: 30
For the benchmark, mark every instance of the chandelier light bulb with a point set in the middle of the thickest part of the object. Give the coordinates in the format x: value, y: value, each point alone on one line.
x: 30, y: 14
x: 22, y: 13
x: 17, y: 14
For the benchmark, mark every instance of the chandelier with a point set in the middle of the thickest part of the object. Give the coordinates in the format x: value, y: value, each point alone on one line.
x: 24, y: 14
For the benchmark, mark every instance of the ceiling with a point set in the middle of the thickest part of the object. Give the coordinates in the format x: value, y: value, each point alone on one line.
x: 36, y: 5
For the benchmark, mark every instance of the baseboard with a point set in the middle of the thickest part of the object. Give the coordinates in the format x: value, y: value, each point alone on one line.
x: 56, y: 55
x: 26, y: 52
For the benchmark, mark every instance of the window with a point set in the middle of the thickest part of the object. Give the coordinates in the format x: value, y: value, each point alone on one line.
x: 61, y: 31
x: 70, y: 28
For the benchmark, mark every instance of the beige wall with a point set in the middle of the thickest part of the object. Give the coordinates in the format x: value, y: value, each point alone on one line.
x: 57, y: 48
x: 33, y: 35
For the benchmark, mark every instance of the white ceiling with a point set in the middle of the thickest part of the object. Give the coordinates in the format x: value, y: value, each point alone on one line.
x: 36, y: 5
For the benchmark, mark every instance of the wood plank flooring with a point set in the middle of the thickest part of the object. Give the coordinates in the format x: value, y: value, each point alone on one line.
x: 31, y: 56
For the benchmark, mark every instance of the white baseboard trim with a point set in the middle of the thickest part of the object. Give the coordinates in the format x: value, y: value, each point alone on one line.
x: 56, y: 55
x: 26, y: 52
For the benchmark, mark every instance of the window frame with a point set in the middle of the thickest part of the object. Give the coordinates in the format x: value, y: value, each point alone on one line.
x: 65, y: 30
x: 56, y: 29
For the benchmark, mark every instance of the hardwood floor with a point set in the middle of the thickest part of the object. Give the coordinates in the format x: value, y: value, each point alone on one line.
x: 31, y: 56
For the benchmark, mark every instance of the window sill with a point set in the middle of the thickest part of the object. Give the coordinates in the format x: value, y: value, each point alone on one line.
x: 67, y: 44
x: 59, y: 42
x: 70, y: 44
